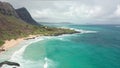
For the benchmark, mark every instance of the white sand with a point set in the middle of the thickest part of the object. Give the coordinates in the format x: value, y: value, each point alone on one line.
x: 11, y: 43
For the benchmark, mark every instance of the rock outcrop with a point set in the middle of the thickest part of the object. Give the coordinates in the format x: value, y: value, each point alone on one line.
x: 7, y: 9
x: 25, y: 16
x: 9, y: 63
x: 11, y: 25
x: 21, y: 13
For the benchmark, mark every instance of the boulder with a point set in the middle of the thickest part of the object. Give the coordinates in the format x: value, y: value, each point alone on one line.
x: 9, y: 63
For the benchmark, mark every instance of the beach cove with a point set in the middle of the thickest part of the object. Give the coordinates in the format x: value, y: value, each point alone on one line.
x: 13, y: 42
x: 88, y: 49
x: 20, y: 43
x: 14, y: 51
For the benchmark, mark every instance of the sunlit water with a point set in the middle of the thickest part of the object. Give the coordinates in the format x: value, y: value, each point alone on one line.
x: 97, y: 46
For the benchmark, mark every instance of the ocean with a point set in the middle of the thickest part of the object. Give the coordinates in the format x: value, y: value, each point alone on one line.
x: 97, y: 46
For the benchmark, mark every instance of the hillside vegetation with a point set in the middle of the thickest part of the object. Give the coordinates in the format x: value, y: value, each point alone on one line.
x: 12, y: 26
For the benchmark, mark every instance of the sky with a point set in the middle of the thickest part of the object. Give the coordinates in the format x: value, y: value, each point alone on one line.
x: 73, y: 11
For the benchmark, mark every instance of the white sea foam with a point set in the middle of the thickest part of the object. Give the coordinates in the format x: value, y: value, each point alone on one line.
x: 80, y: 30
x: 46, y: 62
x: 18, y: 55
x: 61, y: 37
x: 26, y: 63
x: 84, y: 31
x: 87, y: 31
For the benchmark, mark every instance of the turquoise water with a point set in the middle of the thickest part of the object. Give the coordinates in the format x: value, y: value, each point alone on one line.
x: 98, y: 46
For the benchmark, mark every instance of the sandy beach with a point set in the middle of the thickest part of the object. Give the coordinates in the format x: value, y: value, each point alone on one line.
x: 11, y: 43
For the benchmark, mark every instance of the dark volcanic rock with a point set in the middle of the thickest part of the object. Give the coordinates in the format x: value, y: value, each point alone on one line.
x: 21, y: 13
x: 9, y: 63
x: 7, y: 9
x: 25, y: 16
x: 1, y: 49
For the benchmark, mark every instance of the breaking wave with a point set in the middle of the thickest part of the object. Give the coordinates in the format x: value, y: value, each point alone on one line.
x: 26, y: 63
x: 18, y: 57
x: 80, y: 30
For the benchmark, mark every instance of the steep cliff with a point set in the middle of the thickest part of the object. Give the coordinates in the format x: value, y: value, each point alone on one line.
x: 15, y: 25
x: 7, y: 9
x: 11, y: 25
x: 25, y: 16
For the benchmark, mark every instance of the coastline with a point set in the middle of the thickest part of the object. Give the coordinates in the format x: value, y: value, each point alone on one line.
x: 12, y: 43
x: 16, y: 42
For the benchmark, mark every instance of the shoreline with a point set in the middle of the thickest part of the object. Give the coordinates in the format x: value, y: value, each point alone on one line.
x: 14, y: 42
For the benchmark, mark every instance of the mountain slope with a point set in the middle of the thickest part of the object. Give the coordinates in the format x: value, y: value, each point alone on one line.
x: 25, y: 15
x: 7, y: 9
x: 12, y: 26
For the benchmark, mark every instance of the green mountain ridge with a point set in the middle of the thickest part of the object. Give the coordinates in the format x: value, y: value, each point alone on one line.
x: 25, y: 16
x: 13, y: 27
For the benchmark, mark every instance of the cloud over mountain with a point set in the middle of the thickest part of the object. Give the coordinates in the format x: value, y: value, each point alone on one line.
x: 72, y: 10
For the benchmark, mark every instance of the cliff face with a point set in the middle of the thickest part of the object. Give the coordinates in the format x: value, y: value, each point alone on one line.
x: 7, y: 9
x: 14, y: 24
x: 22, y: 13
x: 25, y: 16
x: 11, y: 24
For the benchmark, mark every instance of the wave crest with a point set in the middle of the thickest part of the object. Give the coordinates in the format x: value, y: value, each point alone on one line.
x: 18, y: 55
x: 80, y: 30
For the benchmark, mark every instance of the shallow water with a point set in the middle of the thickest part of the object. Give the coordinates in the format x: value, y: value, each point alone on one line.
x: 98, y: 46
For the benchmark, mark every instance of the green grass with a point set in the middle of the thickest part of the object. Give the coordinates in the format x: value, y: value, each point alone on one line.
x: 1, y: 42
x: 13, y: 28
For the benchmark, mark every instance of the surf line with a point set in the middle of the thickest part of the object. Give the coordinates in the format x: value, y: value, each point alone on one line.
x: 46, y: 62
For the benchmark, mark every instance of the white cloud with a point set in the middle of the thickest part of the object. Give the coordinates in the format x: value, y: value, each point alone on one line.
x: 117, y: 12
x: 43, y: 13
x: 73, y: 10
x: 88, y: 11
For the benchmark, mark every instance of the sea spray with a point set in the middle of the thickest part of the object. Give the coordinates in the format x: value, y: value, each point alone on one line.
x: 18, y: 55
x: 91, y: 50
x: 26, y: 63
x: 84, y: 31
x: 46, y: 63
x: 80, y: 30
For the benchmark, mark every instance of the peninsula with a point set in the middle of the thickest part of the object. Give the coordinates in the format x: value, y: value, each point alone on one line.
x: 17, y: 24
